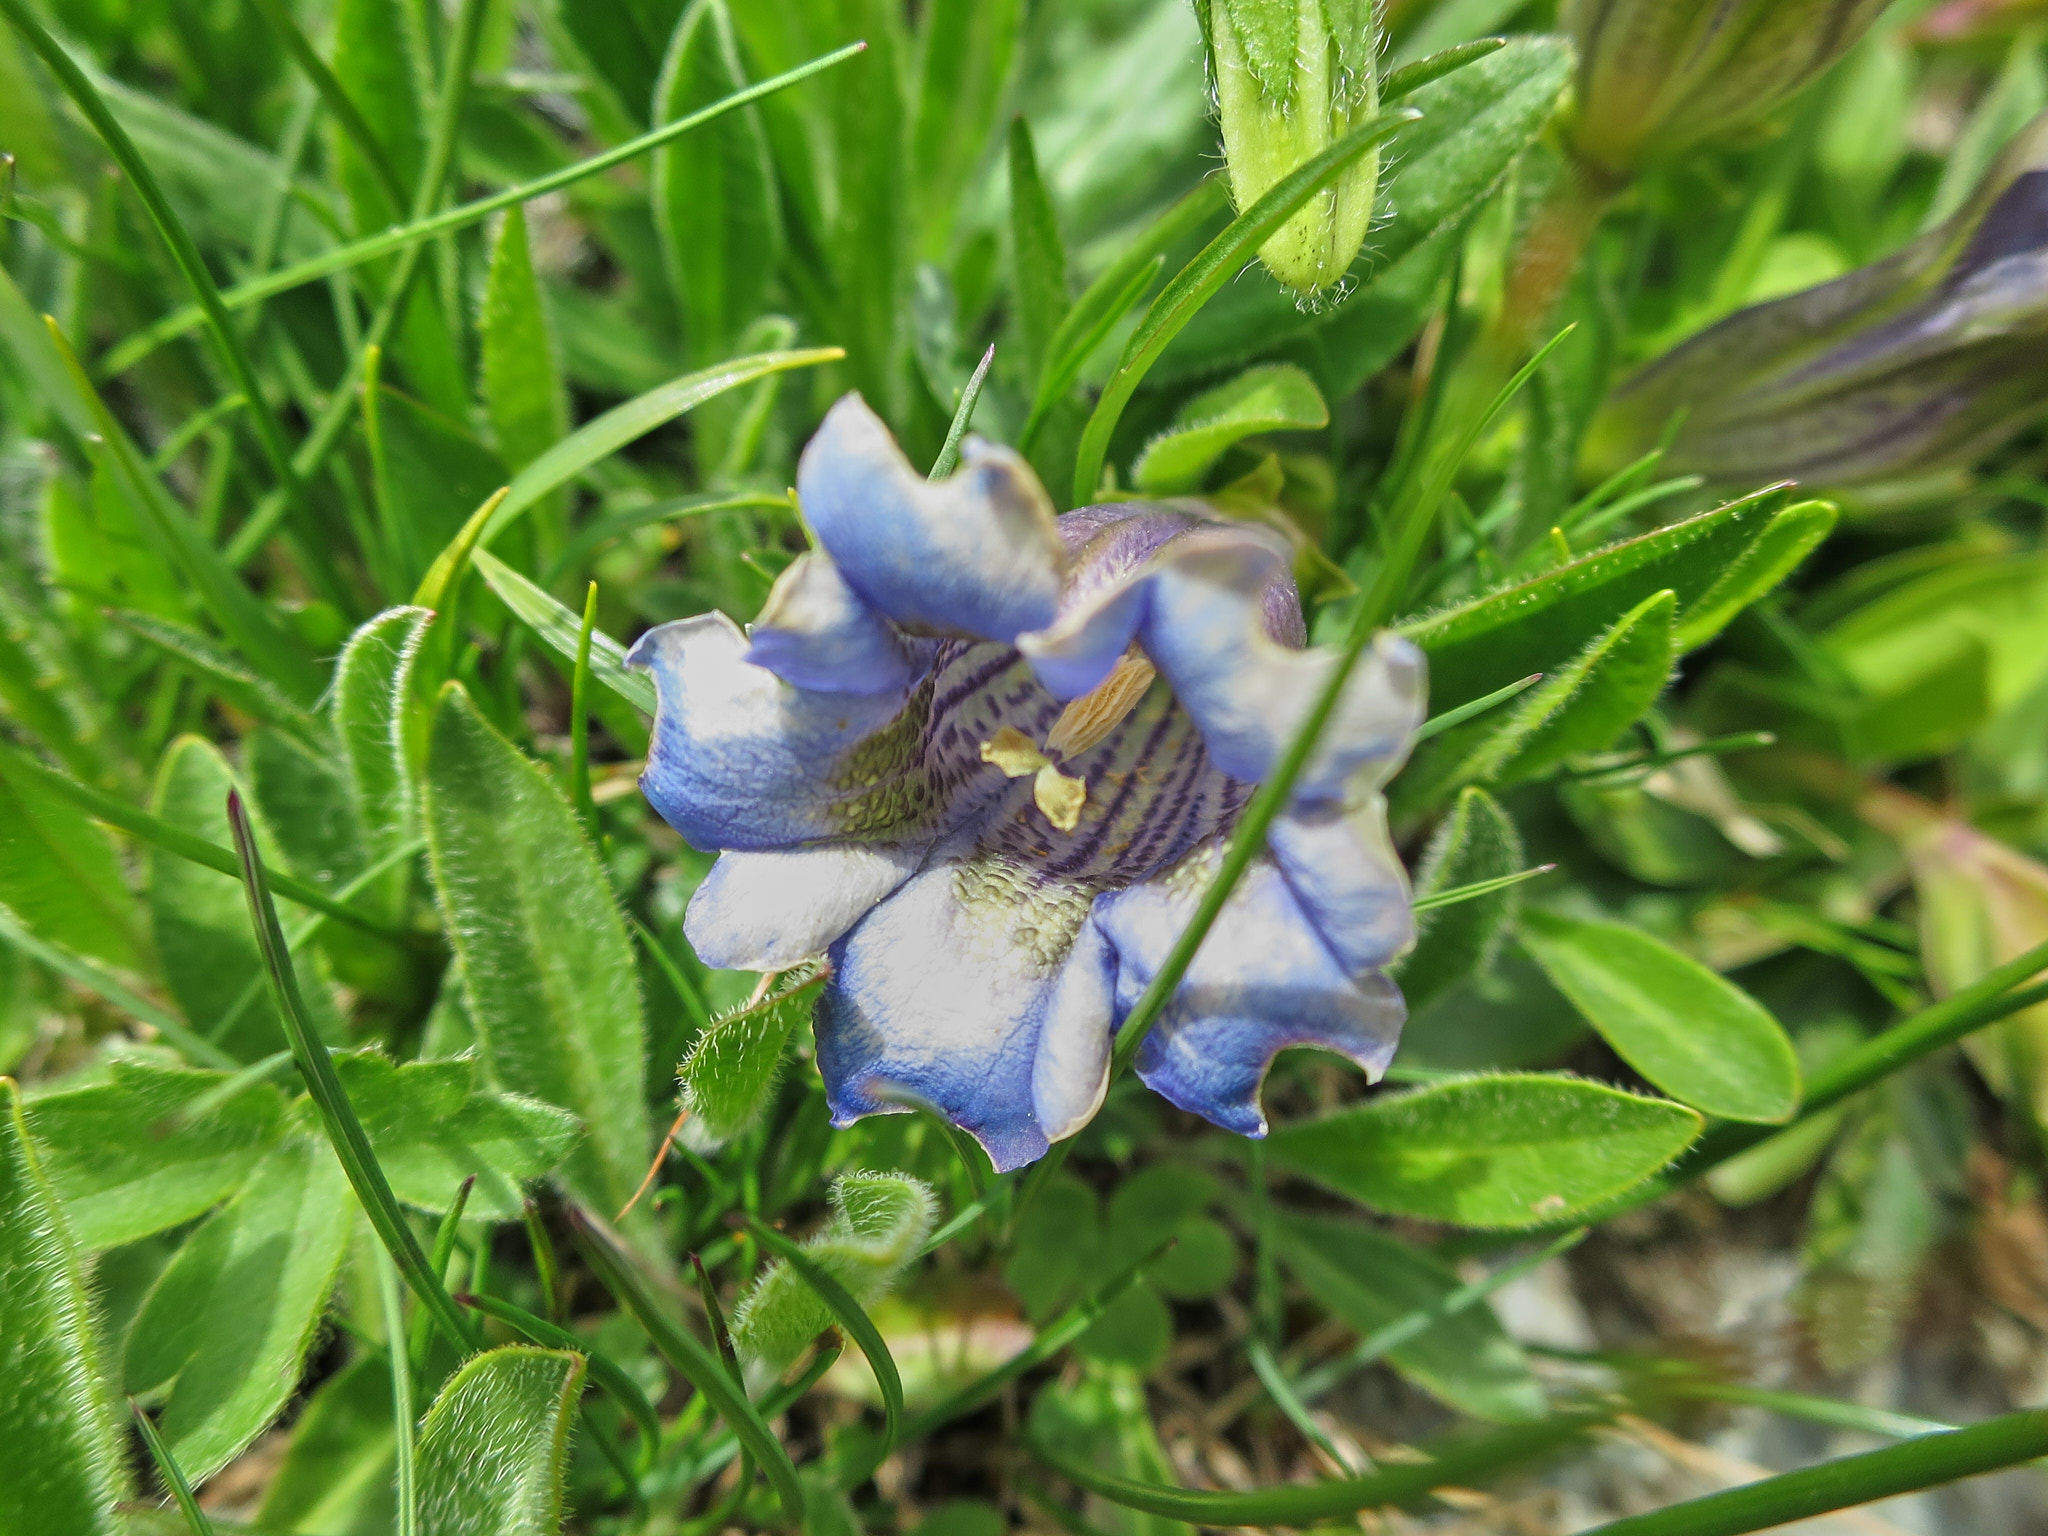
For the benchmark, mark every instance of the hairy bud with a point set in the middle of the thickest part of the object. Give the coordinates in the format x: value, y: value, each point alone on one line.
x: 1293, y: 77
x: 1660, y: 76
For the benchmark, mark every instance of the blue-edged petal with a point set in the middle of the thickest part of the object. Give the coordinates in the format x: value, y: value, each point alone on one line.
x: 977, y: 554
x: 741, y: 759
x: 816, y: 632
x: 767, y: 911
x: 1208, y: 630
x: 946, y: 994
x: 1262, y: 981
x: 1340, y: 863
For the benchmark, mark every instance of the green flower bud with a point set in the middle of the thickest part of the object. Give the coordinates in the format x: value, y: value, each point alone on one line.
x: 1292, y: 77
x: 1660, y: 76
x: 1918, y: 363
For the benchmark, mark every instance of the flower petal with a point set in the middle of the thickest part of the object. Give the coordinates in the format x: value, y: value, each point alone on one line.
x: 1208, y: 631
x: 741, y: 759
x: 815, y: 632
x: 947, y: 992
x: 1341, y: 866
x: 766, y: 911
x: 976, y: 554
x: 1262, y: 981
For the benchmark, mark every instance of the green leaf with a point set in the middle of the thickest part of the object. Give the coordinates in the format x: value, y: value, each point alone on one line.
x: 432, y: 1126
x: 1276, y: 397
x: 307, y: 804
x: 199, y: 915
x: 59, y: 872
x: 1476, y: 841
x: 64, y: 1452
x: 129, y: 1158
x: 520, y: 367
x: 879, y: 1223
x: 1038, y: 258
x: 715, y: 201
x: 622, y: 424
x: 729, y: 1075
x: 621, y: 42
x: 1694, y: 1034
x: 368, y: 710
x: 373, y: 65
x: 1201, y: 279
x: 562, y: 629
x: 547, y: 968
x: 227, y: 1325
x: 1489, y: 642
x: 968, y: 47
x: 436, y: 474
x: 495, y: 1445
x: 1589, y: 702
x: 1370, y: 1280
x: 1507, y: 1151
x: 222, y: 673
x: 1456, y: 1461
x: 336, y: 1473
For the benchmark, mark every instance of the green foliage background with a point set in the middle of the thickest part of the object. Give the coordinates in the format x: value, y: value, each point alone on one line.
x: 372, y: 370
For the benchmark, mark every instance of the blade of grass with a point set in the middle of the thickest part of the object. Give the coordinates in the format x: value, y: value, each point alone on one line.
x: 171, y: 230
x: 1384, y: 1340
x: 422, y: 1335
x: 391, y: 307
x: 605, y: 435
x: 1922, y: 1462
x: 402, y: 1416
x: 1053, y: 1338
x: 545, y: 1267
x: 194, y: 1046
x: 187, y: 845
x: 606, y: 1372
x: 247, y: 625
x: 851, y: 1317
x: 1410, y: 78
x: 391, y: 241
x: 949, y: 454
x: 560, y: 628
x: 1437, y: 724
x: 703, y: 1369
x: 344, y: 1131
x: 336, y: 100
x: 167, y: 1468
x: 721, y: 1335
x: 1201, y: 279
x: 1284, y: 1397
x: 602, y: 530
x: 1477, y: 888
x: 1458, y: 1463
x: 1106, y: 300
x: 579, y: 724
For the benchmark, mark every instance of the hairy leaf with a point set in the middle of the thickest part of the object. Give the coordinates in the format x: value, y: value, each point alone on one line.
x: 64, y: 1453
x: 495, y: 1445
x: 1513, y: 1150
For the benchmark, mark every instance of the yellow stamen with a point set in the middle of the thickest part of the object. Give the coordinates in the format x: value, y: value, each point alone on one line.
x: 1058, y: 797
x: 1099, y: 711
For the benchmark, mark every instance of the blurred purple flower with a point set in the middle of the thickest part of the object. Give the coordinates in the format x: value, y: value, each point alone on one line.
x: 1921, y: 362
x: 986, y: 758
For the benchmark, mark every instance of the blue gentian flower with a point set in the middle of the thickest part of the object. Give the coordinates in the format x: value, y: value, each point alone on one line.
x: 984, y: 759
